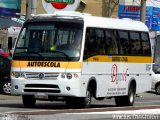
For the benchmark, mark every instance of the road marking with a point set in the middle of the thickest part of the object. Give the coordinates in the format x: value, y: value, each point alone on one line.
x: 146, y: 111
x: 110, y: 109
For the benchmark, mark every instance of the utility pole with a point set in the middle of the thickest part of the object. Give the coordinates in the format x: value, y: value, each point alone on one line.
x: 33, y: 6
x: 28, y: 9
x: 143, y: 11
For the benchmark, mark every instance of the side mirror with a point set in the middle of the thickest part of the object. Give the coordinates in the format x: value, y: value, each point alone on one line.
x: 10, y: 43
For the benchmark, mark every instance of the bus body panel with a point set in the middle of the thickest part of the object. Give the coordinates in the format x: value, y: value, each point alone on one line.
x: 52, y: 76
x: 113, y: 78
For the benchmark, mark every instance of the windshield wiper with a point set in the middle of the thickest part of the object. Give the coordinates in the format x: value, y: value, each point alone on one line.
x: 37, y: 53
x: 57, y: 51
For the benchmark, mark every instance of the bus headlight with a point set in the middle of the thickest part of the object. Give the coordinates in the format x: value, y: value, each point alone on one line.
x: 76, y: 75
x: 17, y: 74
x: 69, y: 75
x: 63, y: 75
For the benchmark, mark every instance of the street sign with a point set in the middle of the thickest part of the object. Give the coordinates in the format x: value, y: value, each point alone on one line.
x: 51, y: 6
x: 133, y: 12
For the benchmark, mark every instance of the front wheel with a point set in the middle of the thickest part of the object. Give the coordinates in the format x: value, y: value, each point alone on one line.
x: 80, y: 102
x: 86, y: 101
x: 28, y: 101
x: 126, y: 100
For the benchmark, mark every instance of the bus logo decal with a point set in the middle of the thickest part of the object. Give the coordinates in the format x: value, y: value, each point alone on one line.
x: 41, y: 76
x: 116, y: 77
x: 114, y: 72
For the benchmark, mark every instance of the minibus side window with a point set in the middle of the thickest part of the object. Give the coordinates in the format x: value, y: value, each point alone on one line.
x: 145, y: 44
x: 100, y: 41
x: 135, y: 43
x: 124, y: 43
x: 90, y: 42
x: 111, y: 42
x: 94, y: 42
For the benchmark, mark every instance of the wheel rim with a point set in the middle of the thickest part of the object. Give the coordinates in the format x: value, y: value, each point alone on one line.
x: 158, y: 89
x: 7, y: 88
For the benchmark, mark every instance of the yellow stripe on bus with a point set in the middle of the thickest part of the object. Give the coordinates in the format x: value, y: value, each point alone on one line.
x: 128, y: 59
x: 77, y: 65
x: 46, y: 64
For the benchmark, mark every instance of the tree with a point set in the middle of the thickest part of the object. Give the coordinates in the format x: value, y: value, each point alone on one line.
x: 108, y: 7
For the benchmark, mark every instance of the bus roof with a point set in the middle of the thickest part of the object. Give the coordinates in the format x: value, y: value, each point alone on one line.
x: 113, y: 23
x: 98, y: 22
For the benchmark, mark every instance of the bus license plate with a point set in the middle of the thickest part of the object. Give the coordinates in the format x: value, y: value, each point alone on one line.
x: 41, y: 96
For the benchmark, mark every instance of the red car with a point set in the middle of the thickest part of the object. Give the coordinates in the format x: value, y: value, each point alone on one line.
x: 5, y: 54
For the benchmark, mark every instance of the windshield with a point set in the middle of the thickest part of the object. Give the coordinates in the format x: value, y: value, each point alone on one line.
x: 156, y: 68
x: 49, y: 41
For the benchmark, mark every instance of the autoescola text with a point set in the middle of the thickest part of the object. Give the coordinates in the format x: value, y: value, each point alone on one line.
x: 43, y: 64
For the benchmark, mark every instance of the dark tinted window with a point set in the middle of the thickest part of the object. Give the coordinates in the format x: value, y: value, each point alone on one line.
x: 135, y: 43
x: 145, y: 44
x: 90, y: 43
x: 100, y: 41
x: 124, y: 42
x: 111, y: 42
x: 156, y: 68
x: 116, y: 42
x: 94, y: 43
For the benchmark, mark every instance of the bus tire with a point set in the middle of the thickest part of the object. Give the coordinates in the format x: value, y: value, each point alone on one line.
x: 131, y: 95
x: 80, y: 102
x: 28, y: 101
x: 157, y: 89
x: 126, y: 100
x: 86, y: 101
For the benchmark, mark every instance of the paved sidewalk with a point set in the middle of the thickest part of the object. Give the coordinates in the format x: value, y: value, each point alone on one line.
x: 9, y: 97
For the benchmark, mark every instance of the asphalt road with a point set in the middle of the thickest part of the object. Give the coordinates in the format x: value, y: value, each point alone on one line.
x: 10, y: 105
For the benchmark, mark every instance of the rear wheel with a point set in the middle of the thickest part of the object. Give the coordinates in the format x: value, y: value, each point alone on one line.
x: 158, y: 89
x: 126, y: 100
x: 28, y: 101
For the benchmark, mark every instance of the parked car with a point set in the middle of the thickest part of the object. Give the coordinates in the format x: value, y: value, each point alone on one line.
x: 5, y: 83
x: 156, y: 78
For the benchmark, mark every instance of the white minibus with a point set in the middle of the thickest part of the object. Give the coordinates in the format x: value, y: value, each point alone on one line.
x: 75, y: 57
